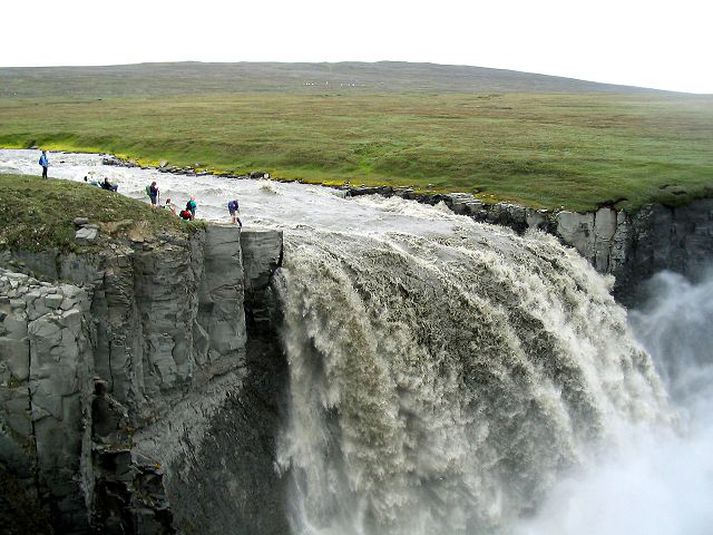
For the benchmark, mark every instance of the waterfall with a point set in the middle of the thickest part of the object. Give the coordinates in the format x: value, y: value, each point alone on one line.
x: 453, y: 378
x: 442, y: 382
x: 656, y: 481
x: 675, y: 327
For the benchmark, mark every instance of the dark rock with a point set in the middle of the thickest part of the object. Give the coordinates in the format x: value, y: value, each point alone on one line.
x: 21, y: 512
x: 166, y: 387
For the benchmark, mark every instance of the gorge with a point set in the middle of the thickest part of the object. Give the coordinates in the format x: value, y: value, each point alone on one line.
x: 362, y: 365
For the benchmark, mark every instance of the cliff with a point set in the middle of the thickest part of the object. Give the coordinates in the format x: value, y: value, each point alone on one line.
x: 133, y: 384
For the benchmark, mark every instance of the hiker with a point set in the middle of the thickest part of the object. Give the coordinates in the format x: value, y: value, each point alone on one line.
x: 186, y: 215
x: 152, y: 192
x: 170, y: 206
x: 91, y: 182
x: 234, y: 208
x: 191, y: 207
x: 45, y: 163
x: 107, y: 185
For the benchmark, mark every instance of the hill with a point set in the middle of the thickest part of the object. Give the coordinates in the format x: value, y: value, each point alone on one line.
x: 301, y: 78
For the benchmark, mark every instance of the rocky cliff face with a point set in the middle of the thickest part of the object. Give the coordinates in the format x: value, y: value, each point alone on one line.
x: 46, y: 371
x: 633, y: 247
x: 135, y: 385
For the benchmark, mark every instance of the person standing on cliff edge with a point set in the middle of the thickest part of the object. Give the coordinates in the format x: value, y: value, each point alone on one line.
x: 191, y: 207
x: 45, y: 163
x: 234, y: 209
x: 152, y: 190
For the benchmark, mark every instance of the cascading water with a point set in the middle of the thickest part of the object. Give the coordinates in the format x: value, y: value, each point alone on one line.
x: 440, y: 383
x: 449, y: 377
x: 658, y: 481
x: 675, y: 327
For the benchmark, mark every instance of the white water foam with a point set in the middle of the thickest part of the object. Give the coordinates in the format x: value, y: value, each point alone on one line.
x: 657, y: 483
x: 443, y: 384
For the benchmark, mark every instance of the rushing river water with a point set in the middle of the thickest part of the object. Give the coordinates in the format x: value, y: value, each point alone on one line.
x: 449, y: 377
x: 262, y: 203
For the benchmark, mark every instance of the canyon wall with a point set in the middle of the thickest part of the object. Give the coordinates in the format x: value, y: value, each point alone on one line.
x: 135, y: 396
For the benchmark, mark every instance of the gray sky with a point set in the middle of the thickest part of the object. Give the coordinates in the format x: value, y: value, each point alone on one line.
x: 661, y: 44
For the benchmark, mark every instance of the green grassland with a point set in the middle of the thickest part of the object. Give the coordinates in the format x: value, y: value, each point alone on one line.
x: 38, y: 214
x: 574, y: 149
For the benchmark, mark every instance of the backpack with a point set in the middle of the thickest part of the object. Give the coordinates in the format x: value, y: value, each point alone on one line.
x: 148, y: 190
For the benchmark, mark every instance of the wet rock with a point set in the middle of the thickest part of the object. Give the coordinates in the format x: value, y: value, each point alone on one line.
x: 463, y: 204
x: 538, y: 219
x: 605, y: 223
x: 508, y: 215
x: 262, y: 253
x: 576, y: 229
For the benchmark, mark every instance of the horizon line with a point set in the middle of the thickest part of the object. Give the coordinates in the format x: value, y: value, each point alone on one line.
x: 381, y: 61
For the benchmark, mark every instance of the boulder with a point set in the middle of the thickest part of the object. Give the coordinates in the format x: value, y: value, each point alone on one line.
x: 86, y: 235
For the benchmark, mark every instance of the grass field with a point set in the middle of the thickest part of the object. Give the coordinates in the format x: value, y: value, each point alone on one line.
x: 577, y: 150
x: 38, y: 213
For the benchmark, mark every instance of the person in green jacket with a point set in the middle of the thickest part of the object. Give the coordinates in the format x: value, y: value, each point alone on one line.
x: 191, y: 206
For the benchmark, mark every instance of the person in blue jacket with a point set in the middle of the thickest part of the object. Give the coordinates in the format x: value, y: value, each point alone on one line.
x: 234, y: 208
x: 44, y: 163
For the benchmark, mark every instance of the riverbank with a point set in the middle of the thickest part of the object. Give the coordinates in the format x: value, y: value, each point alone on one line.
x: 575, y: 151
x: 40, y: 214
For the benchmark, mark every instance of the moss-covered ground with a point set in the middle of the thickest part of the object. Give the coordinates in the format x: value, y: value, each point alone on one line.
x: 38, y: 214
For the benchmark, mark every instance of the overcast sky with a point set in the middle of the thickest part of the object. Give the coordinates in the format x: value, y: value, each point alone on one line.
x: 661, y: 44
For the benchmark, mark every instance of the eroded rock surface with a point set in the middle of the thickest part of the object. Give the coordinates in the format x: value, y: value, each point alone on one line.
x: 133, y: 389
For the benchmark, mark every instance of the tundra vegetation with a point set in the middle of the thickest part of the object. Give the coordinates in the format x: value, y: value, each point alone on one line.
x: 541, y: 141
x: 38, y: 214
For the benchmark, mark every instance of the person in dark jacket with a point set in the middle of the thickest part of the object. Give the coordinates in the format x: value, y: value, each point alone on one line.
x: 44, y: 163
x: 107, y: 185
x: 153, y: 194
x: 234, y: 208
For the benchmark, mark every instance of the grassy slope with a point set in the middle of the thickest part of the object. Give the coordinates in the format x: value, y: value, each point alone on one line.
x: 292, y: 78
x: 38, y: 213
x: 548, y: 150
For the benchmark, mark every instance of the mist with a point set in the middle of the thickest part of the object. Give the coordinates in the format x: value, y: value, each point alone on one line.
x: 657, y: 481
